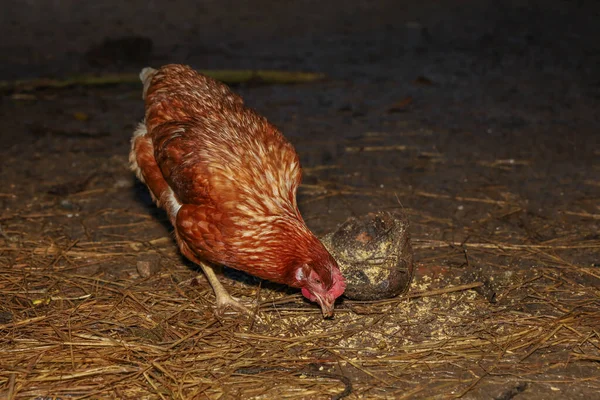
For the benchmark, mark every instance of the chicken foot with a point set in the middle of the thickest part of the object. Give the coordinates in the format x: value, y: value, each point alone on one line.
x: 224, y: 299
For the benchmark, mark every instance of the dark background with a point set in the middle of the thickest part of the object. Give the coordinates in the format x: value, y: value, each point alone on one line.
x: 522, y: 61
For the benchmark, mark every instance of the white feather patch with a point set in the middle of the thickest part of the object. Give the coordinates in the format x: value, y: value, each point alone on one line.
x: 139, y: 131
x: 173, y: 205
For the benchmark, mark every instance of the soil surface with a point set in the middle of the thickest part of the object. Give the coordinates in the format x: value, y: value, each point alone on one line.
x: 480, y: 120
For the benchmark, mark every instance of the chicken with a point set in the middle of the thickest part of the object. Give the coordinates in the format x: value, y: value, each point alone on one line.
x: 227, y: 179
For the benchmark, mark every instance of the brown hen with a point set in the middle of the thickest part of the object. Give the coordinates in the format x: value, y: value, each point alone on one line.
x: 227, y: 179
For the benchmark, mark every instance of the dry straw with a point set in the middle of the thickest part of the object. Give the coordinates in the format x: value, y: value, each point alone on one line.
x: 79, y: 319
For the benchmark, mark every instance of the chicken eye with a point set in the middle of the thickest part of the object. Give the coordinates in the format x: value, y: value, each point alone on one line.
x: 318, y: 281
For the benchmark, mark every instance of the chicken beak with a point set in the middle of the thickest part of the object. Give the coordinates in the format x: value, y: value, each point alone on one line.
x: 326, y: 307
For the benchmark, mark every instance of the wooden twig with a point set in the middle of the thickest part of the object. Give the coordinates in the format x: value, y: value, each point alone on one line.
x: 226, y: 76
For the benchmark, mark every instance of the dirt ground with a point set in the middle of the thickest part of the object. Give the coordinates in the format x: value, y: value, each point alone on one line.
x: 480, y: 121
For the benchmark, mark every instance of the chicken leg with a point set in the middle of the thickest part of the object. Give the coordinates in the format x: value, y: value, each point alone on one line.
x: 224, y: 299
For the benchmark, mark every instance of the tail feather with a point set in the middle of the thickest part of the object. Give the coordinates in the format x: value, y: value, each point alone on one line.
x: 146, y: 77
